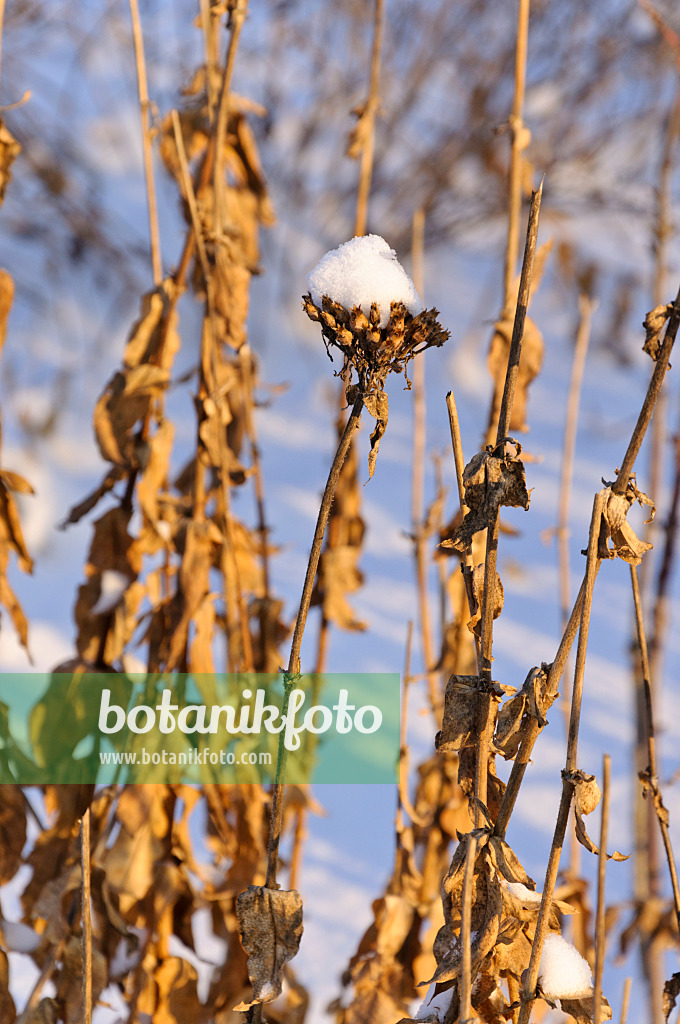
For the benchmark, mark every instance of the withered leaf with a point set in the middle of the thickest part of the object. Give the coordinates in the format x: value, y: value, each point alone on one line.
x: 9, y: 149
x: 653, y: 324
x: 582, y: 1009
x: 8, y: 1011
x: 12, y: 831
x: 377, y: 405
x: 475, y: 623
x: 626, y: 544
x: 490, y: 481
x: 533, y: 701
x: 270, y: 923
x: 671, y: 991
x: 6, y: 296
x: 461, y: 701
x: 586, y: 798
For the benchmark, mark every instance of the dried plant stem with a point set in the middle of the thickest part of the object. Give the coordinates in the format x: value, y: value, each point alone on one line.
x: 485, y: 722
x: 600, y: 936
x: 420, y: 550
x: 524, y: 754
x: 86, y: 916
x: 371, y: 109
x: 466, y: 932
x: 531, y: 979
x: 237, y: 13
x: 625, y: 1001
x: 661, y: 603
x: 518, y: 135
x: 651, y: 773
x: 403, y: 799
x: 586, y: 309
x: 662, y: 230
x: 294, y: 660
x: 466, y: 565
x: 144, y: 106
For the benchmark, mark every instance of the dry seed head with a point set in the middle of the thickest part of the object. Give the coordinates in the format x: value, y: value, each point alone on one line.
x: 372, y: 350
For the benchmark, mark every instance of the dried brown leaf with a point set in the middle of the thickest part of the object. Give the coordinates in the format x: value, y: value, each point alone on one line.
x: 475, y: 623
x: 671, y: 991
x: 9, y: 150
x: 12, y: 831
x: 530, y: 363
x: 6, y: 296
x: 615, y: 527
x: 490, y: 482
x: 653, y: 324
x: 582, y: 1009
x: 270, y: 923
x: 586, y: 798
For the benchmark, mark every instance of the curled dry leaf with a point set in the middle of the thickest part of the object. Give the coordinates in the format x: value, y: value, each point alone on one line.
x: 582, y: 1009
x: 490, y: 481
x: 671, y: 991
x: 475, y: 623
x: 586, y: 798
x: 270, y: 923
x: 653, y: 324
x: 12, y: 831
x: 378, y: 407
x: 615, y: 526
x: 532, y: 701
x: 9, y: 149
x: 461, y: 701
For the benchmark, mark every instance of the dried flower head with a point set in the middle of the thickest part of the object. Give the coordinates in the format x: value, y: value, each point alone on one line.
x: 351, y: 290
x: 369, y: 309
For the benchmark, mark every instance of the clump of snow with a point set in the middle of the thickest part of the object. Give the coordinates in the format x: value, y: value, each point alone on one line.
x: 520, y: 892
x: 435, y: 1005
x: 563, y: 973
x: 360, y: 272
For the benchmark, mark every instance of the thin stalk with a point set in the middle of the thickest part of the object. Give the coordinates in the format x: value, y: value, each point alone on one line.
x: 518, y: 135
x: 294, y: 660
x: 466, y: 932
x: 485, y: 722
x: 237, y: 15
x: 403, y: 799
x: 371, y: 109
x: 625, y: 1001
x: 600, y: 935
x: 86, y: 916
x: 420, y: 550
x: 531, y: 978
x: 144, y: 106
x: 651, y: 773
x: 466, y: 564
x: 586, y: 309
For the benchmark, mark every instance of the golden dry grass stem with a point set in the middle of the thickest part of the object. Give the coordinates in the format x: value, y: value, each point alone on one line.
x: 651, y: 772
x: 466, y: 564
x: 209, y: 51
x: 587, y: 307
x: 86, y: 915
x: 466, y: 932
x: 485, y: 720
x: 420, y: 545
x: 298, y: 632
x: 403, y: 798
x: 625, y: 1001
x: 600, y: 934
x: 531, y: 977
x: 237, y: 14
x: 145, y: 110
x: 371, y: 110
x: 255, y: 454
x: 519, y: 137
